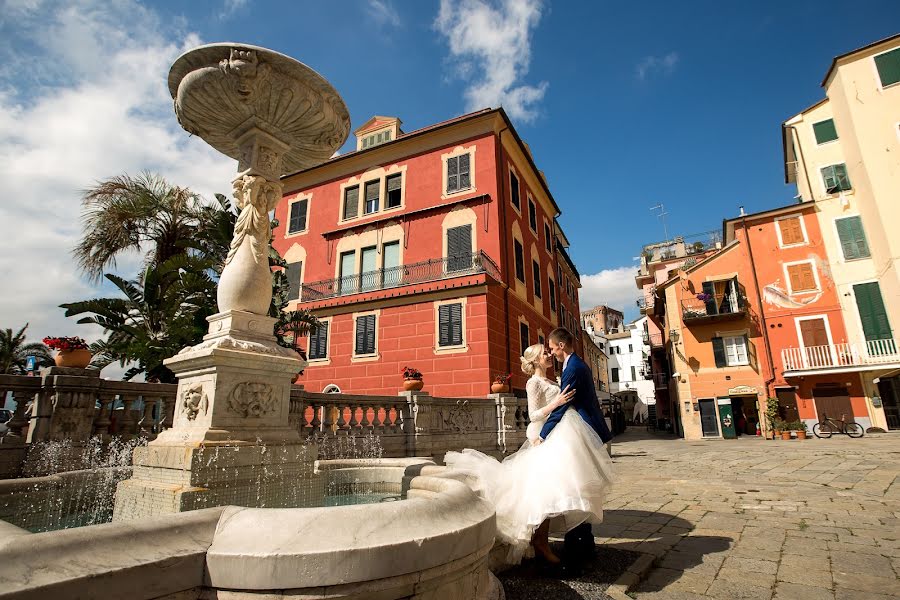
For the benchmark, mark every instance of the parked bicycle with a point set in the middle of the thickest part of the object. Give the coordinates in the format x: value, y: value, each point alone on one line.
x: 826, y: 427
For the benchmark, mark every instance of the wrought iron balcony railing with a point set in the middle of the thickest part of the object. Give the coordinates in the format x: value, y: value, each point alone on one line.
x: 840, y: 356
x: 725, y: 309
x: 421, y: 272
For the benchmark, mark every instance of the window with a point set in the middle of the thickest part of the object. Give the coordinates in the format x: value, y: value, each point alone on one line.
x: 524, y: 337
x: 514, y: 191
x: 551, y: 287
x: 520, y: 260
x: 292, y: 272
x: 318, y: 342
x: 836, y: 179
x: 450, y: 325
x: 372, y: 196
x: 852, y: 238
x: 390, y: 274
x: 532, y: 216
x: 347, y: 277
x: 458, y: 178
x: 559, y: 276
x: 351, y: 202
x: 614, y: 375
x: 367, y: 266
x: 630, y: 348
x: 633, y: 374
x: 459, y: 248
x: 548, y: 242
x: 730, y: 351
x: 802, y: 277
x: 791, y: 231
x: 365, y: 335
x: 297, y: 220
x: 873, y: 316
x: 536, y: 271
x: 723, y: 297
x: 825, y: 131
x: 888, y: 65
x: 393, y: 191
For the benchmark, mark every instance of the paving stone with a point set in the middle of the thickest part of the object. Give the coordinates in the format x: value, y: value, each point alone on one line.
x: 738, y: 575
x: 866, y: 583
x: 751, y: 565
x: 730, y: 590
x: 810, y: 577
x: 793, y: 591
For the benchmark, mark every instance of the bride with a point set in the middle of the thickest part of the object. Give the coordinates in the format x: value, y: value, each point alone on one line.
x: 547, y: 486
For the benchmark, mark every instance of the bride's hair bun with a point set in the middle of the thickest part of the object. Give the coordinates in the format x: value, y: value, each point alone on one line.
x: 530, y: 357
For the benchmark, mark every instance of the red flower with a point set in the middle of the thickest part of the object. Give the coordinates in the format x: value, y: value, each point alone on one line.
x: 64, y: 344
x: 411, y: 373
x: 503, y: 378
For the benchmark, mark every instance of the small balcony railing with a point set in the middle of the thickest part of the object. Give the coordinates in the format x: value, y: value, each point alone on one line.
x: 646, y: 303
x: 654, y: 340
x: 840, y: 356
x: 425, y: 271
x: 726, y: 309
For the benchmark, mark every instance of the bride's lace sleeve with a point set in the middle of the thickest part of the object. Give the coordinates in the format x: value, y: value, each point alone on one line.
x: 537, y: 400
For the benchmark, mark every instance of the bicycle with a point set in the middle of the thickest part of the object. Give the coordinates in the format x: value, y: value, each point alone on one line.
x: 828, y: 427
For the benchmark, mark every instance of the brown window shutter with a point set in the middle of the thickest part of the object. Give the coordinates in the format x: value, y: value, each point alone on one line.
x: 802, y: 277
x: 791, y: 232
x: 794, y: 275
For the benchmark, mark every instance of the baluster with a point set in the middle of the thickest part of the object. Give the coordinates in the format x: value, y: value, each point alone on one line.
x: 377, y: 423
x: 397, y: 421
x: 146, y: 424
x: 316, y: 421
x: 18, y: 422
x: 101, y: 423
x: 354, y: 423
x: 342, y: 425
x: 365, y: 422
x: 126, y: 424
x: 328, y: 424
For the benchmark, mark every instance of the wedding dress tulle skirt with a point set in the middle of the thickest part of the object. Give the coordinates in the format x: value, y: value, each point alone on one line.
x: 565, y: 478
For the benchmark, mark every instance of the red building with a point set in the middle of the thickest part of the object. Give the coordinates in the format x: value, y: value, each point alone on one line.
x: 437, y: 249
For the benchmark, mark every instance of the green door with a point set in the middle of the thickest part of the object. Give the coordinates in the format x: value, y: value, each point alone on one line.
x: 873, y: 316
x: 726, y: 417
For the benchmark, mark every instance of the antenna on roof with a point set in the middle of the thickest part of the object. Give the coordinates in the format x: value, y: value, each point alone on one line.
x: 662, y: 217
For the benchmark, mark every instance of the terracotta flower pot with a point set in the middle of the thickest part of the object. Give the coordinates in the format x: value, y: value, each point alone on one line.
x: 499, y: 388
x: 777, y: 433
x: 78, y: 359
x: 801, y: 435
x: 785, y: 435
x: 412, y: 385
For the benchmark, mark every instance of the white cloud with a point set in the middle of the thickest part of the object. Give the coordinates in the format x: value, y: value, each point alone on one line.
x: 493, y: 41
x: 88, y: 104
x: 612, y: 287
x: 230, y: 7
x: 650, y: 65
x: 383, y: 13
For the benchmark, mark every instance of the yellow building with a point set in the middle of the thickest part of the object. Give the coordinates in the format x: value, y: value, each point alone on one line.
x: 843, y: 153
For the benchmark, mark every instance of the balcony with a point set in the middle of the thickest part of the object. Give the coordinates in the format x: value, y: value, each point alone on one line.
x: 729, y: 308
x: 426, y: 271
x: 660, y: 381
x: 645, y: 304
x: 840, y: 358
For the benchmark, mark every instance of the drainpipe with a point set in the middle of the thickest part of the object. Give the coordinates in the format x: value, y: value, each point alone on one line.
x: 504, y: 250
x: 799, y: 150
x: 762, y: 313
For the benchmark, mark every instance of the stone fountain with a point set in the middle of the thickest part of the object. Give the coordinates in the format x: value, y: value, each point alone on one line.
x: 230, y: 443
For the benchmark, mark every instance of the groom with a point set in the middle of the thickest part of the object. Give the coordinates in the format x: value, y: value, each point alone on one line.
x: 576, y: 375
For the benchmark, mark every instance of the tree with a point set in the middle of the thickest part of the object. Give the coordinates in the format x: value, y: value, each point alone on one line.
x: 14, y: 352
x: 129, y: 213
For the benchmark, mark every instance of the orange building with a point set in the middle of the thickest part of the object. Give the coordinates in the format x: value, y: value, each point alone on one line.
x: 436, y: 249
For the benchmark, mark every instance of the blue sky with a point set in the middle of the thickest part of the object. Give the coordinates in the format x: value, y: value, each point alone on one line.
x: 625, y: 105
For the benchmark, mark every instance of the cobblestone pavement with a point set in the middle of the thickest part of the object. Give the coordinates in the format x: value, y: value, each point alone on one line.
x: 750, y: 518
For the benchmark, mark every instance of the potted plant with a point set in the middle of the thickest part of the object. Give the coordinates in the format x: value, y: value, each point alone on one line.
x: 801, y: 430
x: 778, y: 427
x: 786, y: 429
x: 501, y: 383
x: 412, y: 379
x: 771, y: 416
x: 71, y: 351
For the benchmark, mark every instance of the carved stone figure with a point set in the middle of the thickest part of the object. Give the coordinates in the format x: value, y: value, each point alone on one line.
x: 252, y: 399
x: 193, y: 400
x: 247, y: 71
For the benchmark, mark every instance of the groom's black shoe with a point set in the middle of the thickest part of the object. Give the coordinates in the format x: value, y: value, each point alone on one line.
x: 579, y: 542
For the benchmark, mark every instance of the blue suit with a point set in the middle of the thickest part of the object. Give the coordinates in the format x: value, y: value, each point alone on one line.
x: 577, y: 376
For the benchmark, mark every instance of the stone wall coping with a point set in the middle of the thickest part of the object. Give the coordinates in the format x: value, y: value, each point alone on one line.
x: 27, y: 484
x: 315, y: 547
x: 146, y: 558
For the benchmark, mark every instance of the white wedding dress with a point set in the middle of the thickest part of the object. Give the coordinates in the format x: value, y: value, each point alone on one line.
x: 565, y: 478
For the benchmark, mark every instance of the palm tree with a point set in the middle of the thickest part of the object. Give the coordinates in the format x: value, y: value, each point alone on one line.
x: 14, y: 352
x: 130, y: 213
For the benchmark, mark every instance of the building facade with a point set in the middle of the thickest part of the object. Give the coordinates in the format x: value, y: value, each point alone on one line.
x: 604, y: 320
x: 842, y: 154
x: 629, y: 378
x: 437, y: 249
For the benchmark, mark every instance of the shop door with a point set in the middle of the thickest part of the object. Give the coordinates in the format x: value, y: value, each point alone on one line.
x: 709, y: 421
x: 833, y: 402
x: 787, y: 405
x: 889, y: 390
x: 726, y: 416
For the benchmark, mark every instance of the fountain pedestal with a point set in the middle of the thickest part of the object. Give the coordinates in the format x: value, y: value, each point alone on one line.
x: 230, y: 442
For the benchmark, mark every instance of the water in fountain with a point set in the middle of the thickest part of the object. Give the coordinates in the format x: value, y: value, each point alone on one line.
x: 67, y: 484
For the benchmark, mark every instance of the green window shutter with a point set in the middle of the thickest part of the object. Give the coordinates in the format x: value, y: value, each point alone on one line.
x: 459, y: 248
x: 836, y: 178
x: 840, y: 172
x: 536, y: 272
x: 298, y: 216
x: 871, y: 311
x: 365, y: 334
x: 372, y: 192
x: 524, y: 338
x: 514, y: 190
x: 825, y: 131
x: 852, y: 238
x: 452, y: 174
x: 292, y: 272
x: 520, y: 260
x: 465, y: 181
x: 351, y: 202
x: 551, y: 287
x: 450, y: 324
x: 318, y: 341
x: 532, y: 216
x: 888, y: 65
x: 719, y: 351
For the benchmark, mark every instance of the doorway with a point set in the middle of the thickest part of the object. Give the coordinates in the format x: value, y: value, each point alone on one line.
x: 889, y: 390
x: 817, y: 351
x: 709, y: 419
x: 832, y: 401
x: 746, y: 414
x: 787, y: 405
